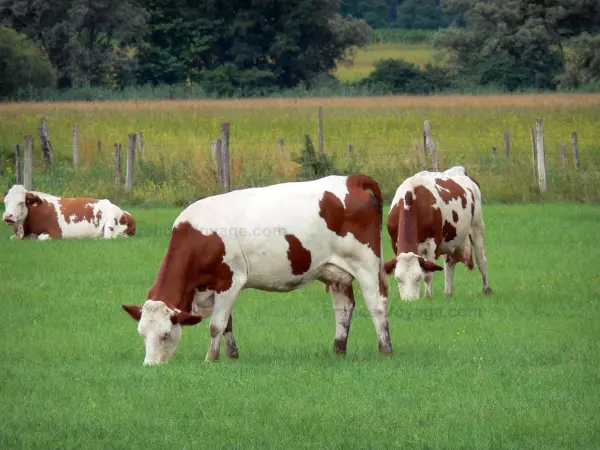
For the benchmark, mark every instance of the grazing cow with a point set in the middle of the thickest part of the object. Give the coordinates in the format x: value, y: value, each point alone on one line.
x: 275, y: 238
x: 435, y: 213
x: 44, y: 216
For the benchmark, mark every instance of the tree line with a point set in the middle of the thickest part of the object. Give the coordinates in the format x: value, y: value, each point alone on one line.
x: 260, y: 47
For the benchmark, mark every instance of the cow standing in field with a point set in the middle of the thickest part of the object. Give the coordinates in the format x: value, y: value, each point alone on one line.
x: 275, y: 238
x: 433, y: 214
x: 44, y: 216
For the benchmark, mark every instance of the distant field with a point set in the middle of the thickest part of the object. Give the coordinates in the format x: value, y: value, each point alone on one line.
x: 519, y: 369
x: 419, y: 54
x: 383, y: 130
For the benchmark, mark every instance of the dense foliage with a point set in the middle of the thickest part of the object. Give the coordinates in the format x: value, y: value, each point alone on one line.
x: 199, y: 48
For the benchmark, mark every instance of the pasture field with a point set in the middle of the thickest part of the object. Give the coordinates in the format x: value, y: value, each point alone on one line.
x: 384, y: 131
x: 518, y: 369
x: 419, y: 54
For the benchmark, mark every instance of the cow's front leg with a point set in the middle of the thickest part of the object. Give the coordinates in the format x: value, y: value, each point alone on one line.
x: 220, y: 317
x: 343, y: 306
x: 19, y: 233
x: 449, y: 269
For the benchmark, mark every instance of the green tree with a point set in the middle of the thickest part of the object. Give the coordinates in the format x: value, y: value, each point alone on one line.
x: 22, y: 64
x: 239, y: 44
x: 88, y: 41
x: 583, y: 62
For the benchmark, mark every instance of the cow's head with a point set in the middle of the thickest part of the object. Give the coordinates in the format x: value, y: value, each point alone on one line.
x: 127, y: 222
x: 17, y: 202
x: 160, y: 327
x: 409, y: 271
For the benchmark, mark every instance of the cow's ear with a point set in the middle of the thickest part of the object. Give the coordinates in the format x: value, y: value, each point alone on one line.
x: 429, y: 266
x: 390, y: 265
x: 134, y: 311
x: 32, y: 199
x: 184, y: 318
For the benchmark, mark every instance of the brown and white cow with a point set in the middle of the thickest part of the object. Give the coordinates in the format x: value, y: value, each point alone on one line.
x: 434, y: 214
x: 275, y: 238
x: 44, y: 216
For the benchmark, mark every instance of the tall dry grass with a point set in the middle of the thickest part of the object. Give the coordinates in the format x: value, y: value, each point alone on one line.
x: 177, y: 166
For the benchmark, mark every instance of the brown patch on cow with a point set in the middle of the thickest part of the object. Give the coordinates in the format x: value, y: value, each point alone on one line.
x: 299, y: 257
x: 472, y: 204
x: 127, y: 219
x: 214, y: 331
x: 41, y: 218
x: 448, y: 231
x: 76, y: 210
x: 98, y: 217
x: 360, y: 214
x: 408, y: 199
x: 450, y: 190
x: 111, y: 228
x: 193, y: 261
x: 392, y: 226
x: 454, y: 216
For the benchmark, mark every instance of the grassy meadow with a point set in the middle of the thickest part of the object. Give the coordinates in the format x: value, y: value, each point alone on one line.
x: 519, y: 369
x: 363, y: 65
x: 385, y: 133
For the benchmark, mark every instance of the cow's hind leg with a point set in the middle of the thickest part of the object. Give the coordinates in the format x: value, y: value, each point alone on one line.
x: 477, y: 241
x: 343, y: 306
x: 428, y: 280
x: 374, y: 288
x: 221, y: 316
x: 449, y: 269
x: 231, y: 349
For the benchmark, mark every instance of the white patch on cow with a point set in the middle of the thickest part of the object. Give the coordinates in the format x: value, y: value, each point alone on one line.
x: 43, y: 237
x: 408, y: 274
x: 160, y: 335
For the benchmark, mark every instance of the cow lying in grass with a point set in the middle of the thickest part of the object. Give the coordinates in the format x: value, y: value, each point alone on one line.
x: 434, y: 214
x: 275, y: 238
x: 43, y: 216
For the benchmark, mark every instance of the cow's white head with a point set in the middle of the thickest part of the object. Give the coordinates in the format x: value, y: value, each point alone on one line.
x: 409, y: 271
x: 160, y: 327
x: 16, y: 203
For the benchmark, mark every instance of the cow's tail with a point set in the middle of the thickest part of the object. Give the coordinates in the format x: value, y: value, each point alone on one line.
x: 470, y: 263
x: 367, y: 183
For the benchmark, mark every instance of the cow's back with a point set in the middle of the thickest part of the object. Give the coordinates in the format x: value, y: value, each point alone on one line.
x: 269, y: 226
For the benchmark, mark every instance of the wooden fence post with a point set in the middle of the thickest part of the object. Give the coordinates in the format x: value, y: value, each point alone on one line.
x: 541, y: 156
x: 1, y: 163
x: 213, y: 150
x: 494, y: 153
x: 350, y: 148
x: 430, y: 144
x: 117, y: 165
x: 18, y: 172
x: 281, y: 143
x: 28, y: 162
x: 225, y: 156
x: 140, y: 145
x: 320, y: 130
x: 575, y: 151
x: 219, y: 158
x: 563, y: 155
x: 506, y: 144
x: 47, y: 152
x: 75, y: 145
x: 534, y: 153
x: 99, y: 146
x: 424, y: 150
x: 130, y: 162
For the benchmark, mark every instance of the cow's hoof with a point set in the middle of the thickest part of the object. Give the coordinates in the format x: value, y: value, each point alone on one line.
x: 448, y: 294
x: 487, y: 291
x: 385, y: 350
x: 232, y: 353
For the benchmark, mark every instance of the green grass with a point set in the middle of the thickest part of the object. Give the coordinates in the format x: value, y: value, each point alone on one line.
x: 71, y: 358
x: 419, y: 54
